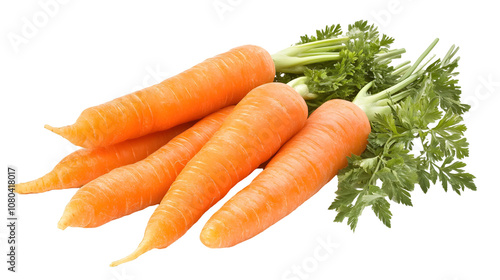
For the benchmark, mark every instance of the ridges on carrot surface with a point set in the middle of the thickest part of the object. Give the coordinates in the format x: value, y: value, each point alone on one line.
x: 211, y: 85
x: 336, y: 130
x: 136, y: 186
x: 84, y: 165
x: 259, y: 125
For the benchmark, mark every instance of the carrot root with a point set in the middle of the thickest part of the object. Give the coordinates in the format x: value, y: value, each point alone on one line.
x: 85, y: 165
x: 250, y: 135
x: 67, y: 132
x: 66, y: 220
x: 211, y: 85
x: 141, y: 249
x: 36, y: 186
x: 56, y: 130
x: 63, y: 223
x: 131, y: 188
x: 209, y: 237
x: 308, y: 161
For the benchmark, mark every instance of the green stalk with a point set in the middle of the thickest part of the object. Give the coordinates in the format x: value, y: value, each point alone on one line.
x: 325, y: 49
x: 380, y: 103
x: 390, y: 54
x: 422, y: 56
x: 293, y: 59
x: 401, y: 65
x: 419, y: 68
x: 373, y: 104
x: 451, y: 53
x: 401, y: 70
x: 299, y: 84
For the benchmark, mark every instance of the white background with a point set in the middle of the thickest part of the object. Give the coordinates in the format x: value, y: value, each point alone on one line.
x: 83, y: 53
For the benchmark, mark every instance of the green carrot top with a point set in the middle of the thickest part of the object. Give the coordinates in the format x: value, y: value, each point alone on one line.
x: 406, y: 104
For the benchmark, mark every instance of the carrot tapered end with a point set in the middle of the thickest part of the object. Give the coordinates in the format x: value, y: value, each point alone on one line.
x: 210, y: 238
x: 56, y: 130
x: 68, y: 218
x: 141, y: 249
x: 23, y: 188
x: 72, y: 133
x: 63, y: 223
x: 45, y: 183
x: 64, y: 132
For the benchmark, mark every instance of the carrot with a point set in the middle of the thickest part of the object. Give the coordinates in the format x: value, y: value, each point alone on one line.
x: 302, y: 166
x: 136, y: 186
x: 259, y: 125
x: 211, y: 85
x: 84, y: 165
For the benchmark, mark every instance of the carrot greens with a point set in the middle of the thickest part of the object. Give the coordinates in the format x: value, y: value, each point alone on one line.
x: 390, y: 168
x: 409, y: 106
x: 365, y: 57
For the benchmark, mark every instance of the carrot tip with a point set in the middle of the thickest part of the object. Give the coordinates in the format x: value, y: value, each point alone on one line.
x: 209, y: 238
x: 61, y: 226
x: 213, y: 236
x: 20, y: 189
x: 139, y: 251
x: 56, y: 130
x: 63, y: 222
x: 51, y: 128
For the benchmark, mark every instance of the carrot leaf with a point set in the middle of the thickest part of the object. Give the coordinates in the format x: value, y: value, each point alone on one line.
x: 329, y: 32
x: 391, y: 166
x: 365, y: 57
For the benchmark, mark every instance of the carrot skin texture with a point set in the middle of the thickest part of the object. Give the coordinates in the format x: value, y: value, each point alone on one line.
x: 136, y: 186
x: 84, y: 165
x: 203, y: 89
x: 259, y: 125
x: 336, y: 130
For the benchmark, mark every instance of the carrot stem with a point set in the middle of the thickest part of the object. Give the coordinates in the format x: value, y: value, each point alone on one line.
x: 389, y: 55
x: 294, y: 59
x: 374, y: 104
x: 402, y: 65
x: 424, y: 54
x: 300, y: 86
x: 379, y: 103
x: 300, y: 83
x: 325, y: 49
x: 451, y: 53
x: 401, y: 70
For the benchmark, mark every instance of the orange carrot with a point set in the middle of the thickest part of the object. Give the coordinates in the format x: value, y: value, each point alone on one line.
x: 84, y: 165
x: 136, y: 186
x: 336, y: 130
x: 259, y: 125
x: 211, y: 85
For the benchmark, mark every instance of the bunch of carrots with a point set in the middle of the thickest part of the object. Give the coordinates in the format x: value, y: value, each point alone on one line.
x: 302, y: 114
